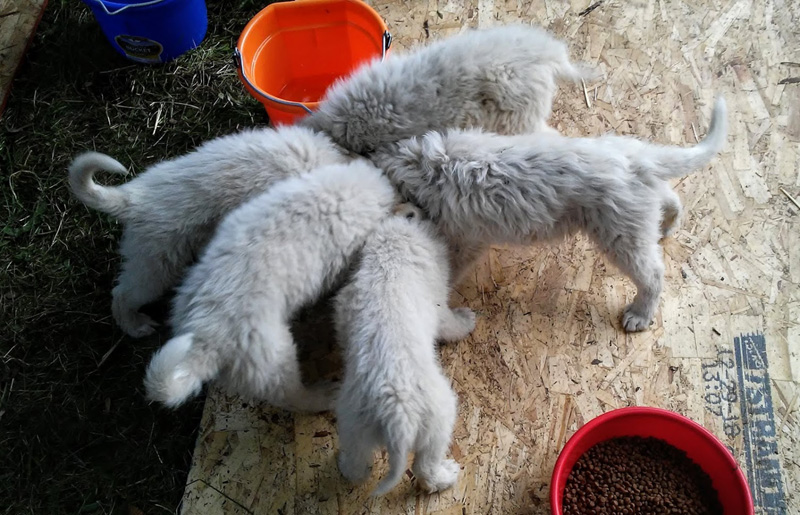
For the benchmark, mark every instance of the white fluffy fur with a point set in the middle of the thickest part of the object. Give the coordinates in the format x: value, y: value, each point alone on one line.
x: 484, y: 188
x: 501, y: 79
x: 269, y: 257
x: 394, y: 392
x: 171, y: 210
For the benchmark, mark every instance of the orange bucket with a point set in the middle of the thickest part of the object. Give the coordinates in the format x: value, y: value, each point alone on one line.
x: 291, y: 52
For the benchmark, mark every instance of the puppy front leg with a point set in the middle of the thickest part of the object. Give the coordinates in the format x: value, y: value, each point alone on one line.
x: 462, y: 256
x: 356, y: 447
x: 455, y: 324
x: 274, y: 372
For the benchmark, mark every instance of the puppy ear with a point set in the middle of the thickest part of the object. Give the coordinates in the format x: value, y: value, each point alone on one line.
x: 433, y: 148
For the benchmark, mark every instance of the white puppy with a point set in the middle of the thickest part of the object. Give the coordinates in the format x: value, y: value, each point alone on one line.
x: 269, y: 257
x: 501, y: 79
x: 394, y: 392
x: 484, y: 188
x: 171, y: 210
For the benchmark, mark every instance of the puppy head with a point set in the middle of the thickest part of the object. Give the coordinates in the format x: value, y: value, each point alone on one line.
x: 355, y: 117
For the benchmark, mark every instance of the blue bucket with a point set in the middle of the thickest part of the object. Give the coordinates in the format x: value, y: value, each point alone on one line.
x: 151, y: 31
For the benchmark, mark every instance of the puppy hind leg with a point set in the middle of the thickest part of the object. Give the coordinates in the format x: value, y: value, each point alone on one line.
x: 671, y: 209
x: 143, y: 279
x: 455, y: 324
x: 644, y: 264
x: 430, y: 466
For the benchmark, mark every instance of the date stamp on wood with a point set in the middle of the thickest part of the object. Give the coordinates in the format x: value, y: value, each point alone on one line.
x: 737, y: 391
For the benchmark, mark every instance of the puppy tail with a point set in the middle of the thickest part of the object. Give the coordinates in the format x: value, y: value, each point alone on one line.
x: 576, y: 72
x: 673, y: 162
x: 103, y: 198
x: 176, y: 373
x: 398, y: 460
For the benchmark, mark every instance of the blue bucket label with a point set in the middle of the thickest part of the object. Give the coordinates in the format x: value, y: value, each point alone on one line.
x: 140, y: 49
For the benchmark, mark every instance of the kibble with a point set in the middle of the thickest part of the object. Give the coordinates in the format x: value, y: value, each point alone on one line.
x: 641, y: 476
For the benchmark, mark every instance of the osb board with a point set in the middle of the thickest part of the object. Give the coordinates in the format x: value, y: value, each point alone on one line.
x: 548, y: 353
x: 18, y: 20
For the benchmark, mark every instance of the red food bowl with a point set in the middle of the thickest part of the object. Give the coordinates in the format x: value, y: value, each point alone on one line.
x: 697, y: 442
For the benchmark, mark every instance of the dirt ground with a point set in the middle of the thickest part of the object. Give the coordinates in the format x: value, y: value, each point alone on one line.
x: 76, y: 434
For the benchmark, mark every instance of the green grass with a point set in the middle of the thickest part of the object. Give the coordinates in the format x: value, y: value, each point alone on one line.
x: 76, y: 434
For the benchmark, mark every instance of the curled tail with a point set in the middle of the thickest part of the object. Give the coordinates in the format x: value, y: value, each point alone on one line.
x: 108, y: 199
x: 672, y: 162
x: 398, y: 461
x: 176, y: 373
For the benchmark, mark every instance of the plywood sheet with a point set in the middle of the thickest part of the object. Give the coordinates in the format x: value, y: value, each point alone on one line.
x: 548, y: 353
x: 18, y: 20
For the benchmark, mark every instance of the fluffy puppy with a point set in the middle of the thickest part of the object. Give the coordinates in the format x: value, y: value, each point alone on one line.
x: 170, y: 211
x: 501, y: 79
x: 394, y: 392
x: 484, y: 188
x: 269, y: 257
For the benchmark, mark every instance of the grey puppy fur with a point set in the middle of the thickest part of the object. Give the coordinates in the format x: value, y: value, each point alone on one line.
x: 483, y: 188
x: 501, y: 79
x: 270, y: 256
x: 394, y: 392
x: 170, y: 210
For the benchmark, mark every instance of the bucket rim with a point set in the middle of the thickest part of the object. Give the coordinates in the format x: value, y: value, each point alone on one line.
x: 711, y: 442
x: 386, y: 43
x: 102, y: 4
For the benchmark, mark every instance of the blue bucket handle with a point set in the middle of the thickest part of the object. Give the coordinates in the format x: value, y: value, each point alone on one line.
x: 237, y: 59
x: 128, y: 6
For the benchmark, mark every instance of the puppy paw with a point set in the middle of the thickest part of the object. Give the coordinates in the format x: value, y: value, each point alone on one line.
x: 456, y: 324
x: 632, y: 321
x: 321, y: 396
x: 354, y: 471
x: 443, y: 478
x: 546, y: 129
x: 668, y: 227
x: 136, y: 324
x: 466, y: 318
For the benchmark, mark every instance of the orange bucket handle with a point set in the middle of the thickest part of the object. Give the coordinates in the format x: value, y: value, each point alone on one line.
x: 237, y: 59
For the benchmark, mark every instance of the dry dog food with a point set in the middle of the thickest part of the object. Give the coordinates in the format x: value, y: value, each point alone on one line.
x: 634, y: 475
